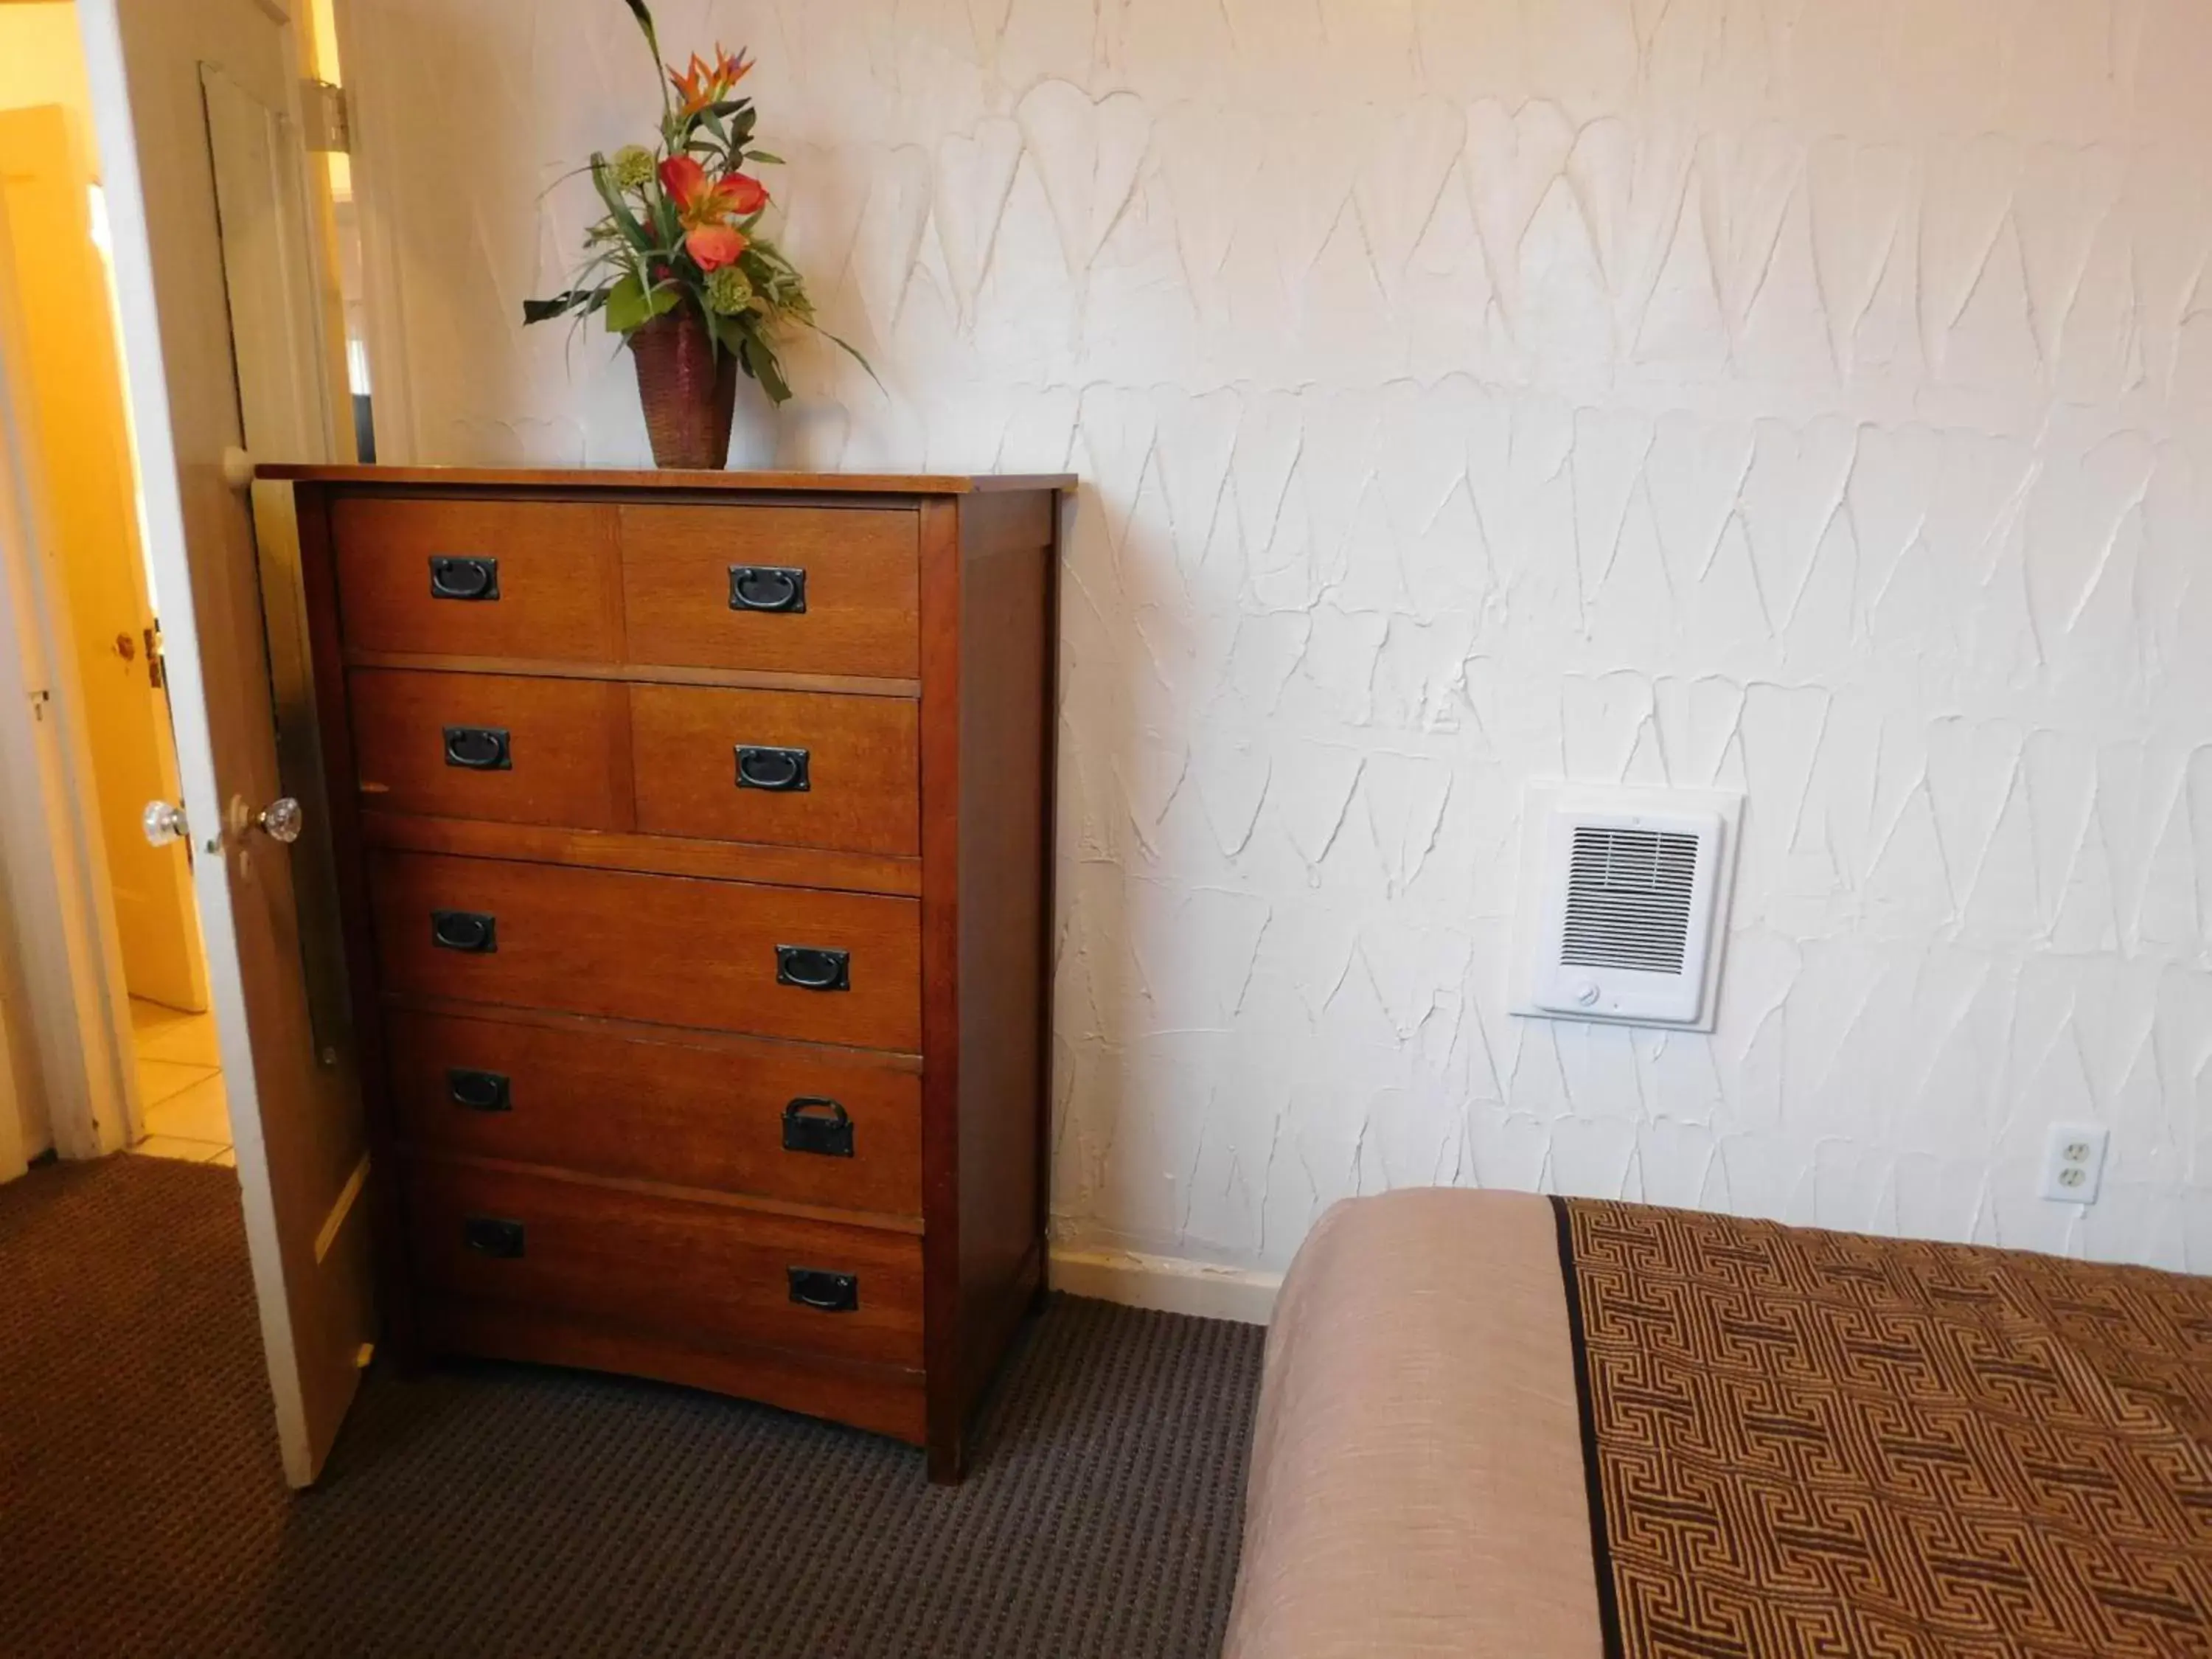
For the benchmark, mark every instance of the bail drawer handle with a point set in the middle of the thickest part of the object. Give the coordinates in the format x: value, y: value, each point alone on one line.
x: 479, y: 748
x: 779, y: 771
x: 470, y: 932
x: 457, y: 578
x: 812, y: 969
x: 767, y: 587
x: 817, y: 1287
x: 813, y: 1124
x: 479, y: 1091
x: 493, y: 1236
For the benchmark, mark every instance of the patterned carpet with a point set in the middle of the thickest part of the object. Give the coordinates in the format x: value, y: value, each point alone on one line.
x: 487, y: 1510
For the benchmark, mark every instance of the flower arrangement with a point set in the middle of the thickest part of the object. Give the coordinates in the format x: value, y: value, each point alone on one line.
x: 681, y: 238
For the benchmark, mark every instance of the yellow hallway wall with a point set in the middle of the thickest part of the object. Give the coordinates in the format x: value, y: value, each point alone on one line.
x: 77, y: 395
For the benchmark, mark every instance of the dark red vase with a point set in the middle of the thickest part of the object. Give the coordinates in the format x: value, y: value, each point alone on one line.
x: 689, y: 389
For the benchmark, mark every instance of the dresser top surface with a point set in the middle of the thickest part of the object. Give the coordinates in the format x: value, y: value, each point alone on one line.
x: 574, y: 478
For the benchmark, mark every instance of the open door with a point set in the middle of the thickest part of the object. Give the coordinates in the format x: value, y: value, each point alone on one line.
x: 206, y: 180
x: 76, y: 385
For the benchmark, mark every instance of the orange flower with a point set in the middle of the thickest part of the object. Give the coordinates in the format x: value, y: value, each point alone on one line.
x: 703, y: 84
x: 713, y: 245
x: 706, y: 206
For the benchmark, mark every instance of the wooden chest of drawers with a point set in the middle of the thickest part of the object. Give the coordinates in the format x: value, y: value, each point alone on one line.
x: 693, y: 835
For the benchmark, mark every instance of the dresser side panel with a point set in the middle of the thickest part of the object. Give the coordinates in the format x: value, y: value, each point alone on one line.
x: 1007, y: 594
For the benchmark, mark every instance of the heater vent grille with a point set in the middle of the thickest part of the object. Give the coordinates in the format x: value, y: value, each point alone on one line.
x: 1629, y: 899
x: 1626, y: 904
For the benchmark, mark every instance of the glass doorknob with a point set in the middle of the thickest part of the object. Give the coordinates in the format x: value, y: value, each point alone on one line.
x: 164, y: 822
x: 281, y: 820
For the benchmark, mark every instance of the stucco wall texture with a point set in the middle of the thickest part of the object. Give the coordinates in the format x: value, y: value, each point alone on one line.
x: 1807, y: 397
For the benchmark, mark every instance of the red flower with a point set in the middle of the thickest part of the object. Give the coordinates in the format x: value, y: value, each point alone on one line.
x: 707, y: 205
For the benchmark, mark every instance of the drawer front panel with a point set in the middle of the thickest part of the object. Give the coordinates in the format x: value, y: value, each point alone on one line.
x: 662, y: 949
x: 699, y: 1271
x: 491, y: 746
x: 801, y: 590
x: 798, y: 769
x: 841, y: 1134
x: 539, y: 580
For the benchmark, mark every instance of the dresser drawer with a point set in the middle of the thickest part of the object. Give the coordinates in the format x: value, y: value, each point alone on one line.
x: 800, y: 589
x: 709, y: 1274
x: 822, y: 967
x: 793, y: 1125
x: 801, y: 769
x: 492, y: 747
x: 538, y: 580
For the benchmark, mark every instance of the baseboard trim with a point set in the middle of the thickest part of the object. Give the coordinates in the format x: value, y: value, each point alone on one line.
x: 1168, y: 1284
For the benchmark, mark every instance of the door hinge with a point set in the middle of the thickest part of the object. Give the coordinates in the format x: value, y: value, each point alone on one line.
x: 329, y: 122
x: 156, y: 662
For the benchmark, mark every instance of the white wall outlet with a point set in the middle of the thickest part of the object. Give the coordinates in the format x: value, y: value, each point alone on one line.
x: 2073, y: 1163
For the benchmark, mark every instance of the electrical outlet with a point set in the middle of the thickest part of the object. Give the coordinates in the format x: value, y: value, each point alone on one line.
x: 2073, y: 1163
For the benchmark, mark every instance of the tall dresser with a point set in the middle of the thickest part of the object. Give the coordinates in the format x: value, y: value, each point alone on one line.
x: 693, y: 838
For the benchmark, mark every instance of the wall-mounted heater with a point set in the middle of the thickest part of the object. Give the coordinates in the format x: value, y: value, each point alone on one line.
x: 1624, y: 904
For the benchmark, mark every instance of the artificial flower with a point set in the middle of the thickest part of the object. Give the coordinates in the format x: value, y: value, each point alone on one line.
x: 703, y: 85
x: 712, y: 246
x: 729, y: 291
x: 705, y: 205
x: 675, y: 231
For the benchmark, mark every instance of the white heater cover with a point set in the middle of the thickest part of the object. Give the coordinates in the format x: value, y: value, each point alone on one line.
x: 1625, y: 915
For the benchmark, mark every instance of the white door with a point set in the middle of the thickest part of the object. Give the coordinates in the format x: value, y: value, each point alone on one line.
x: 197, y: 107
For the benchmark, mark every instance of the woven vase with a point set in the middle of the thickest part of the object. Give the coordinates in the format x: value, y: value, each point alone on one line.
x: 689, y: 389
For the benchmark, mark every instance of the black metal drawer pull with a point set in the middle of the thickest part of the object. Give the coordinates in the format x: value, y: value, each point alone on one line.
x: 812, y: 1124
x: 782, y: 771
x: 493, y: 1236
x: 480, y: 1091
x: 455, y: 578
x: 479, y: 748
x: 816, y: 1287
x: 813, y: 969
x: 767, y: 587
x: 471, y: 931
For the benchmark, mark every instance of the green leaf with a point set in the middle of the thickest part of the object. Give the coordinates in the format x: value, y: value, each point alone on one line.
x: 627, y: 306
x: 853, y: 352
x: 643, y: 12
x: 760, y: 362
x: 544, y: 311
x: 617, y: 209
x: 762, y: 155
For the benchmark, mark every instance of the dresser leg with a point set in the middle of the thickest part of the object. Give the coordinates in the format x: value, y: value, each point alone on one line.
x: 948, y: 1460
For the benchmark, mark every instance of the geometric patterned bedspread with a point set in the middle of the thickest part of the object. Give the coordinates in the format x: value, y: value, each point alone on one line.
x: 1803, y: 1443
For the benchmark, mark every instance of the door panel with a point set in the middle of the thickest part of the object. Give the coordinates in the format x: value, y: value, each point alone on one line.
x: 75, y: 383
x: 199, y: 141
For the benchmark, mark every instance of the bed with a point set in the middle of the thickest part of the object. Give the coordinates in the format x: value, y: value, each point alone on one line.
x: 1498, y: 1423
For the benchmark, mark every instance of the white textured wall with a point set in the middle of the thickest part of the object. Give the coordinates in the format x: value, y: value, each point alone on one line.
x: 1808, y: 395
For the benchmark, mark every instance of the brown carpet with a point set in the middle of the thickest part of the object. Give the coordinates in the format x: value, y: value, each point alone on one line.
x: 487, y: 1511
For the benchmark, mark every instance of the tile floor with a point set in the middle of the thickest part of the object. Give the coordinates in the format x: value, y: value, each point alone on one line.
x: 180, y: 1085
